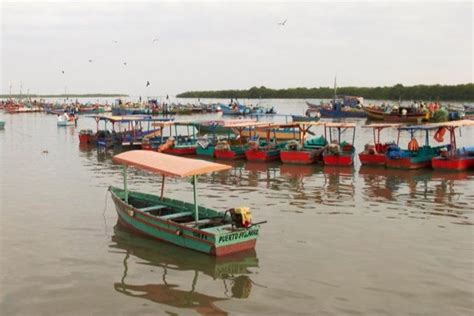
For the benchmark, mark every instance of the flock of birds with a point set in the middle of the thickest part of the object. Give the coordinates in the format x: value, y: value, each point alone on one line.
x: 156, y: 39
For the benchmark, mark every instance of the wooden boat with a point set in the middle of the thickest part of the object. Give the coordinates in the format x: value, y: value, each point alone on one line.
x: 414, y: 157
x: 125, y: 131
x: 209, y: 130
x: 232, y: 149
x: 410, y: 116
x: 303, y: 151
x: 175, y: 143
x: 85, y: 136
x: 374, y: 155
x: 339, y: 112
x: 269, y: 150
x: 184, y: 224
x: 453, y: 158
x: 306, y: 118
x: 339, y: 153
x: 234, y: 109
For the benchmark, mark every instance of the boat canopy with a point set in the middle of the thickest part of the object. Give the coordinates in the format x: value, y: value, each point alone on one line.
x: 426, y: 127
x: 167, y: 165
x: 342, y: 125
x: 454, y: 123
x: 128, y: 118
x: 246, y: 124
x: 309, y: 123
x: 381, y: 125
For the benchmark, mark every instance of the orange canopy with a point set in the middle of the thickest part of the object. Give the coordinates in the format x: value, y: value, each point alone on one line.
x: 167, y: 165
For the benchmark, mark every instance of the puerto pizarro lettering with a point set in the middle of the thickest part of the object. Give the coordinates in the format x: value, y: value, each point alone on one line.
x: 240, y: 235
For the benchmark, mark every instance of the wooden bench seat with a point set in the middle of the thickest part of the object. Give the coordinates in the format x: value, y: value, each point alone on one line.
x: 152, y: 208
x: 176, y: 215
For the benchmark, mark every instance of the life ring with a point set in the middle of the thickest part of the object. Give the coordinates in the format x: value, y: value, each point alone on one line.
x: 439, y: 135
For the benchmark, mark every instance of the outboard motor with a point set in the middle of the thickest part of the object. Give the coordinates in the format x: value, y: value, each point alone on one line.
x: 241, y: 217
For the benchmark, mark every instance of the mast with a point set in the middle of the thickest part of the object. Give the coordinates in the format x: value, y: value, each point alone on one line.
x: 335, y: 88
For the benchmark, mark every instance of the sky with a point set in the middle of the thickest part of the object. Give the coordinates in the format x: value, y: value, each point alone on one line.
x: 231, y: 45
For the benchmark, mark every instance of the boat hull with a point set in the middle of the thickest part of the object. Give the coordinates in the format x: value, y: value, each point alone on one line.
x: 338, y: 160
x: 372, y: 159
x: 180, y: 151
x: 230, y: 154
x: 84, y: 138
x: 262, y: 155
x: 334, y: 113
x: 407, y: 163
x: 182, y: 235
x: 453, y: 163
x: 300, y: 157
x: 208, y: 151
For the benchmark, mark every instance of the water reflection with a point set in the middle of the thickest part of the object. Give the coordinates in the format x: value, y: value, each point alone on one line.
x: 295, y: 188
x: 232, y: 271
x: 419, y: 192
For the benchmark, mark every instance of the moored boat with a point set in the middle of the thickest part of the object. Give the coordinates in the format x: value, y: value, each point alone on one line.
x: 414, y: 157
x: 453, y: 158
x: 183, y: 224
x: 269, y: 149
x: 374, y: 155
x: 304, y: 151
x: 399, y: 114
x: 338, y: 152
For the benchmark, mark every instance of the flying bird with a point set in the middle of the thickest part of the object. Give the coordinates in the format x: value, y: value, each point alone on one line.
x: 125, y: 63
x: 115, y: 41
x: 147, y: 83
x: 155, y: 40
x: 62, y: 71
x: 90, y: 60
x: 282, y: 23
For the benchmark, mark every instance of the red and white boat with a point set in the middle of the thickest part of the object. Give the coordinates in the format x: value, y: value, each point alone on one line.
x: 374, y: 155
x: 338, y: 152
x: 456, y: 159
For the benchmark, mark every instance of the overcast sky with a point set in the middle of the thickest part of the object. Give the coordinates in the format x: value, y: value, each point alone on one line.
x: 222, y: 45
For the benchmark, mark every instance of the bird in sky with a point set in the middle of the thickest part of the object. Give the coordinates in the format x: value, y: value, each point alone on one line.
x: 282, y: 23
x: 115, y: 41
x: 155, y: 40
x: 90, y: 60
x: 125, y: 63
x: 147, y: 83
x: 62, y: 71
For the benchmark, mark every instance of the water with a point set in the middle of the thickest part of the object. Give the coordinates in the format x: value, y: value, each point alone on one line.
x: 338, y: 241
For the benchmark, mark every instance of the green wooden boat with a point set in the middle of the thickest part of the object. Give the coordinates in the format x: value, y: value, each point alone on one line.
x: 184, y: 224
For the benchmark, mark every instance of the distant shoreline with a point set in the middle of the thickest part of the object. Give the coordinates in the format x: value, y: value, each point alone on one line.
x: 87, y: 95
x: 461, y: 92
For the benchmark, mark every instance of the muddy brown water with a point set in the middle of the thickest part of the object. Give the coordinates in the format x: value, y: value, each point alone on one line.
x: 338, y: 240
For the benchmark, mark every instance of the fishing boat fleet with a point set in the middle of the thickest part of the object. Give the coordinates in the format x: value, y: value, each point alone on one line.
x: 169, y: 147
x: 306, y: 142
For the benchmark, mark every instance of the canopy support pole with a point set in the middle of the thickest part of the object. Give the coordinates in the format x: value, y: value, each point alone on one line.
x: 196, y: 209
x: 162, y: 187
x: 125, y: 183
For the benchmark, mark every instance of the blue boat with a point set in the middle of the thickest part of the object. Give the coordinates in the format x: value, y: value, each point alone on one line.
x: 235, y: 109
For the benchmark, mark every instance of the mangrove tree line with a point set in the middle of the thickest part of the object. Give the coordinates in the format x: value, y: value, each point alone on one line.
x: 461, y: 92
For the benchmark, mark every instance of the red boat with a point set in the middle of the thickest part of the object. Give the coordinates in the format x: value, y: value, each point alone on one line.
x: 270, y: 149
x: 339, y: 153
x: 374, y: 155
x: 86, y: 136
x: 233, y: 149
x: 303, y: 152
x: 456, y: 159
